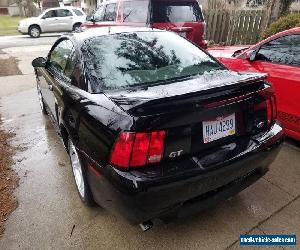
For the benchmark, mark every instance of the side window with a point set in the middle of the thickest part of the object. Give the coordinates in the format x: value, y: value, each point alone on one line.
x: 60, y: 55
x: 50, y: 14
x: 110, y: 12
x: 284, y: 50
x: 99, y: 14
x: 134, y: 11
x: 77, y: 78
x: 63, y: 13
x: 78, y: 12
x: 70, y: 66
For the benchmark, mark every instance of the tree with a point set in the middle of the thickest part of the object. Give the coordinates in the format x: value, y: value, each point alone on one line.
x: 30, y: 8
x: 20, y: 6
x: 275, y: 9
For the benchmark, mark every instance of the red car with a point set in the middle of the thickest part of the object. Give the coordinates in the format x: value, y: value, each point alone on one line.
x: 279, y: 57
x: 181, y: 16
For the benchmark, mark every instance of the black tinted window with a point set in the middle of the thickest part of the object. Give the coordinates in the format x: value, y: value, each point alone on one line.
x: 176, y: 11
x: 70, y: 65
x: 110, y: 12
x: 143, y: 58
x: 63, y: 13
x: 284, y: 50
x: 78, y: 12
x: 60, y: 55
x: 49, y: 14
x: 99, y: 14
x: 135, y: 11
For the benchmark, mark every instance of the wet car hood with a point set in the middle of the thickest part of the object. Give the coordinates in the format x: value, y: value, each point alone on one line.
x: 128, y: 98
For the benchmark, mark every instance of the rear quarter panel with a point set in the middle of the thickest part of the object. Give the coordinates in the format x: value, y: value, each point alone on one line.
x: 97, y: 123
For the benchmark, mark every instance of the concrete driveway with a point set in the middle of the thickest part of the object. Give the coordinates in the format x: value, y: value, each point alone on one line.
x: 51, y: 216
x: 26, y: 40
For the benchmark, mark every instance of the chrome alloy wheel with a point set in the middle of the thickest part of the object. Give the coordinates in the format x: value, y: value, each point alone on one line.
x: 35, y: 32
x: 77, y: 170
x: 77, y: 29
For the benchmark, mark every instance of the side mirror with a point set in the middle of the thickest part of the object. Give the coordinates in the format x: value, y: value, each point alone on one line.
x: 251, y: 55
x: 39, y: 62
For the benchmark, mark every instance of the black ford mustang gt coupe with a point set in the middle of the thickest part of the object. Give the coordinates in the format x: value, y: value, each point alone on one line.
x: 154, y: 126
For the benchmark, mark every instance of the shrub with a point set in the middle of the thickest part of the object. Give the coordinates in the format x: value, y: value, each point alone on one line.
x: 283, y: 23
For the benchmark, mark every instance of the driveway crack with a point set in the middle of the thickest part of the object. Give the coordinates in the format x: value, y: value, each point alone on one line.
x: 274, y: 184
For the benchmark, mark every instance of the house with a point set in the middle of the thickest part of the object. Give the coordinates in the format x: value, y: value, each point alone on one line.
x: 4, y: 7
x: 87, y: 5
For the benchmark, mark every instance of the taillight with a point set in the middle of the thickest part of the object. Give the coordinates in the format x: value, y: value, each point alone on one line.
x: 122, y: 149
x: 269, y: 104
x: 156, y: 147
x: 204, y: 31
x: 274, y: 107
x: 269, y: 111
x: 138, y: 149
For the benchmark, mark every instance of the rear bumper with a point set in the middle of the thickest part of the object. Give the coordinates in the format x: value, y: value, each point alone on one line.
x: 140, y: 197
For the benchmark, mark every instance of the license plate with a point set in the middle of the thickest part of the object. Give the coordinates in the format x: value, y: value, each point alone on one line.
x: 219, y: 128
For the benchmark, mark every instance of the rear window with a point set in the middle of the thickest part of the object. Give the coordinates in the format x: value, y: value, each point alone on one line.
x: 135, y: 11
x: 176, y: 11
x: 78, y: 12
x: 142, y: 59
x: 110, y: 12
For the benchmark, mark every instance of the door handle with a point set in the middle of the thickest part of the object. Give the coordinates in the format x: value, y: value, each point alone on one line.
x: 50, y: 87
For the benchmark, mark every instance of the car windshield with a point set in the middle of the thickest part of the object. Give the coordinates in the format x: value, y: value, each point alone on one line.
x: 142, y: 59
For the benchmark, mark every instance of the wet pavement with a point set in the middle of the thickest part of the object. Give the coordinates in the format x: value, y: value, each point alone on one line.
x: 25, y: 40
x: 51, y: 216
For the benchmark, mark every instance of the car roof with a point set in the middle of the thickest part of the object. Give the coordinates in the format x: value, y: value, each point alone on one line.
x: 116, y: 1
x: 277, y: 35
x: 110, y: 1
x: 109, y: 30
x: 65, y: 7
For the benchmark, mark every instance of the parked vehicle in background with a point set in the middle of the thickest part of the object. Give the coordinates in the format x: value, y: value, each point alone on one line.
x: 184, y: 17
x: 60, y: 19
x: 279, y: 56
x: 154, y: 126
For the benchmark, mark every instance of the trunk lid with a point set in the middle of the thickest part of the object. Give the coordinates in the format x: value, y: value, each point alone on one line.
x: 184, y: 108
x: 137, y: 100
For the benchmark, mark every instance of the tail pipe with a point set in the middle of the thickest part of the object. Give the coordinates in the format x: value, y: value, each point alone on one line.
x: 146, y: 225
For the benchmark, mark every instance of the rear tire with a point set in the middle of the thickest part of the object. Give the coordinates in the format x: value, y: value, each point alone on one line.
x: 79, y: 176
x: 34, y: 31
x: 76, y: 27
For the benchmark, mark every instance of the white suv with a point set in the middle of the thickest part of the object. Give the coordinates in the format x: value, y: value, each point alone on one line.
x: 53, y: 20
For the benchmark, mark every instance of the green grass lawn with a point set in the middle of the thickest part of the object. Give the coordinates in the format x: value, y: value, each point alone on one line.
x: 8, y: 25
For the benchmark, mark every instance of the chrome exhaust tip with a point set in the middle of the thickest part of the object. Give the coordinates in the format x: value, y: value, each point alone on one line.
x: 147, y: 225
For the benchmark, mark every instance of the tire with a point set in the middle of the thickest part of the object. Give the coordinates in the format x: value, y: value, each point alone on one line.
x: 34, y: 31
x: 41, y: 100
x: 76, y: 27
x: 79, y: 176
